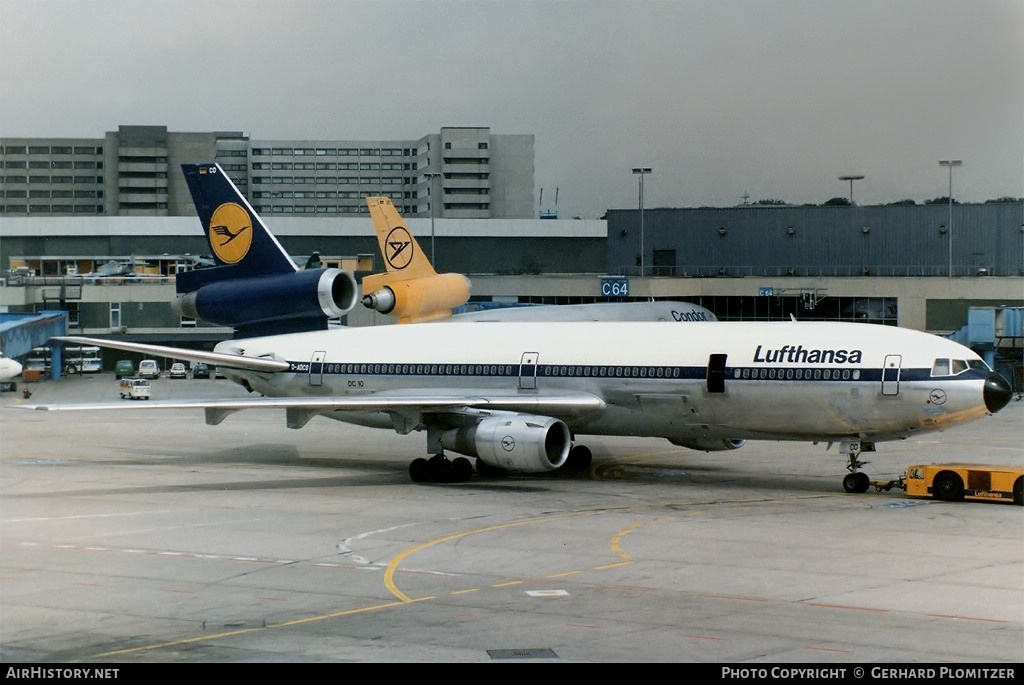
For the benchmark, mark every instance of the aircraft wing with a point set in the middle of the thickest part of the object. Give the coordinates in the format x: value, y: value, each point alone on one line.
x: 406, y: 408
x: 571, y: 402
x: 230, y: 361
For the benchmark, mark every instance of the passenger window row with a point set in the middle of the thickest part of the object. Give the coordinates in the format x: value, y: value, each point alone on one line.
x: 551, y: 370
x: 797, y: 374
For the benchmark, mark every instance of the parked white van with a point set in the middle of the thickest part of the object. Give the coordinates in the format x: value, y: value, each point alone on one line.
x: 148, y: 368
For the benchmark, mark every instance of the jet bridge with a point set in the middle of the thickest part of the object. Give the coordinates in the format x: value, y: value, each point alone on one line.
x: 20, y: 332
x: 997, y: 334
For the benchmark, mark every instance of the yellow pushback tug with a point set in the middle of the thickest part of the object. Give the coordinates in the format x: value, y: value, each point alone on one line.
x: 960, y: 482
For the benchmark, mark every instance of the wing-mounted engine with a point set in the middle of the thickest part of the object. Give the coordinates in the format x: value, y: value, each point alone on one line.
x: 272, y: 303
x: 710, y: 445
x: 417, y: 299
x: 513, y: 442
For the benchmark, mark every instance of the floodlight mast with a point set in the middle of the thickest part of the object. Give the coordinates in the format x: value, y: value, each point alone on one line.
x: 851, y: 179
x: 641, y: 172
x: 949, y: 238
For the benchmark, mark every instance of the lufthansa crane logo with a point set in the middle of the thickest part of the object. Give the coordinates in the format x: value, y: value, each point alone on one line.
x: 398, y: 248
x: 230, y: 233
x: 508, y: 443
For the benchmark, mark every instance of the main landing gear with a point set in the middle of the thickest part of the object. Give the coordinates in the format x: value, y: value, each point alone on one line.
x: 856, y: 481
x: 440, y: 469
x: 579, y: 458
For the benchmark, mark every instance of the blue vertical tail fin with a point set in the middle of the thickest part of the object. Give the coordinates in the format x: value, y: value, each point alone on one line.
x: 255, y: 286
x: 241, y: 244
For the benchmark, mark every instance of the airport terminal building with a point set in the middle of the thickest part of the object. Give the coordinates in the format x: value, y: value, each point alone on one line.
x: 71, y: 206
x: 135, y: 171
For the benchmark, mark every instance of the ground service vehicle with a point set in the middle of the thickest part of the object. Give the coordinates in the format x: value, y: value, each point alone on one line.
x: 958, y: 482
x: 200, y: 370
x: 134, y: 389
x: 178, y: 370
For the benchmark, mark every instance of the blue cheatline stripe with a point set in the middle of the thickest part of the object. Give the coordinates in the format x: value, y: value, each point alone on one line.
x: 732, y: 373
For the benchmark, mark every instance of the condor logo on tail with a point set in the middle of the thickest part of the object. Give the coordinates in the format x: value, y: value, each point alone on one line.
x: 400, y: 248
x: 230, y: 233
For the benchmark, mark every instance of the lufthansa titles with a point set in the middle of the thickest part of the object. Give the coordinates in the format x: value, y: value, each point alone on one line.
x: 797, y: 354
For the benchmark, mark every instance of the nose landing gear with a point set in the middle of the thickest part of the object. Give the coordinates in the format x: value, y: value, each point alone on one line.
x: 856, y: 481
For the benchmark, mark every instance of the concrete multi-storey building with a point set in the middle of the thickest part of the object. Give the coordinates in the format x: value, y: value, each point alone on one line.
x: 134, y: 171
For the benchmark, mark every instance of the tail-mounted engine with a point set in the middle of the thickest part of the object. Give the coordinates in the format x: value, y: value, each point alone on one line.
x: 415, y: 299
x: 514, y: 442
x: 274, y: 303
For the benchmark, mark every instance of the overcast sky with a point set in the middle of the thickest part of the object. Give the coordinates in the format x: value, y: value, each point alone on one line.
x: 774, y: 99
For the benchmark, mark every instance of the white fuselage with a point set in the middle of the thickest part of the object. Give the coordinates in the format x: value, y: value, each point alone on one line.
x: 689, y: 382
x: 9, y: 369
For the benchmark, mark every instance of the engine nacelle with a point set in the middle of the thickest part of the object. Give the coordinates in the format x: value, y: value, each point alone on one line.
x: 514, y: 442
x: 710, y: 445
x: 416, y: 299
x: 317, y: 294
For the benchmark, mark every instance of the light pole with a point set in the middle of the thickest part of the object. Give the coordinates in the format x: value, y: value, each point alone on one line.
x: 950, y: 163
x: 431, y: 175
x: 641, y: 172
x: 851, y: 179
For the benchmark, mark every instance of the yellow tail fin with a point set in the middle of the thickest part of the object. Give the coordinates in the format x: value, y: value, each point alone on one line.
x: 402, y: 254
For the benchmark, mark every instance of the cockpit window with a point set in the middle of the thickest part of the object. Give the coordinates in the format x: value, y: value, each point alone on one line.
x: 979, y: 365
x: 953, y: 367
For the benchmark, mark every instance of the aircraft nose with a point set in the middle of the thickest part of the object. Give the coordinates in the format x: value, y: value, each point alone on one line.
x: 997, y: 392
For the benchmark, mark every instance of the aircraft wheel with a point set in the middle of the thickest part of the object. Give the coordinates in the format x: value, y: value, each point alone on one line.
x: 948, y: 487
x: 580, y: 458
x: 419, y: 470
x: 1018, y: 491
x: 462, y: 470
x: 440, y: 468
x: 856, y: 482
